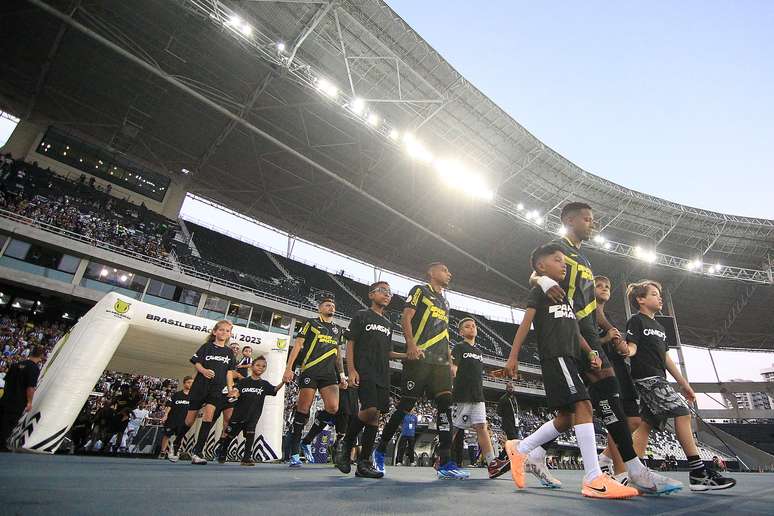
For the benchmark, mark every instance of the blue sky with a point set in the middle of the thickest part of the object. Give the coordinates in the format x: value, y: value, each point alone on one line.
x: 672, y: 98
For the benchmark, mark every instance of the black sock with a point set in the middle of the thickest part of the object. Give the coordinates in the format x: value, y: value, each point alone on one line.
x: 696, y: 465
x: 322, y: 419
x: 201, y: 438
x: 389, y: 430
x: 369, y: 436
x: 313, y: 432
x: 299, y: 421
x: 249, y: 440
x: 353, y: 429
x: 457, y: 446
x: 444, y: 435
x: 605, y: 395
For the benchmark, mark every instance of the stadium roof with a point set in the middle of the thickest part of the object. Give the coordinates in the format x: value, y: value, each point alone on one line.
x: 227, y: 52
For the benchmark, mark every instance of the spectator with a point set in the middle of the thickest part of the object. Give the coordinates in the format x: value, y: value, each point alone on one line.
x: 408, y: 438
x: 20, y: 384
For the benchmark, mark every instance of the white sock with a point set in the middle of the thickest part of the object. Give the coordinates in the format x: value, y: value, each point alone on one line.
x: 635, y: 467
x: 588, y: 447
x: 547, y: 432
x: 604, y: 458
x: 489, y: 457
x: 538, y: 455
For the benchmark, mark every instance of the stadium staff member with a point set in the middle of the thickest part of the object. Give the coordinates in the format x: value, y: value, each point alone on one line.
x: 20, y: 383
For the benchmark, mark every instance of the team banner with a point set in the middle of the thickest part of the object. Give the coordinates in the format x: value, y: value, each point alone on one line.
x: 126, y: 335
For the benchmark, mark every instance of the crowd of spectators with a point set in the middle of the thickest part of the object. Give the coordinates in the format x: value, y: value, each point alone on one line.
x: 81, y: 207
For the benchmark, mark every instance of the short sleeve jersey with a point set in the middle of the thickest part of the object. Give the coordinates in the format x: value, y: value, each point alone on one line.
x: 555, y: 325
x: 252, y: 394
x: 430, y: 323
x: 219, y: 359
x: 578, y: 283
x: 19, y: 378
x: 178, y: 408
x: 651, y: 340
x: 372, y: 335
x: 321, y: 345
x: 469, y: 381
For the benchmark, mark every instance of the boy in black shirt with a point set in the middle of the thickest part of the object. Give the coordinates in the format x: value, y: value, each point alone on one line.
x: 615, y: 348
x: 468, y: 395
x: 321, y: 369
x: 561, y: 359
x: 369, y: 350
x: 175, y: 411
x: 250, y: 393
x: 215, y: 363
x: 647, y: 346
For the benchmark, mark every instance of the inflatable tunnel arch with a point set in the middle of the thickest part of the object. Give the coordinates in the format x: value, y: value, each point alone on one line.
x: 122, y: 334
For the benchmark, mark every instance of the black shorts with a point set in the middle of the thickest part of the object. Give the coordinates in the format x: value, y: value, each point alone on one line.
x: 421, y: 378
x: 205, y: 392
x: 629, y: 397
x: 348, y: 405
x: 589, y: 331
x: 659, y: 402
x: 242, y: 424
x: 563, y: 384
x: 372, y: 395
x: 317, y: 380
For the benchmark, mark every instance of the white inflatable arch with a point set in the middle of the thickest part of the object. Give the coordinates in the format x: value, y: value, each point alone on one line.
x: 126, y: 335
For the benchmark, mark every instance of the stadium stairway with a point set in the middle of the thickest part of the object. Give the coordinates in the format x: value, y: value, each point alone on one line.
x: 348, y: 291
x: 495, y: 337
x: 277, y: 264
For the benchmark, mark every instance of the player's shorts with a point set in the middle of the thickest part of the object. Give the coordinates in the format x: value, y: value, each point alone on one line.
x: 372, y: 395
x: 659, y: 401
x: 563, y: 383
x: 465, y: 415
x: 629, y: 397
x: 317, y: 380
x: 348, y: 405
x: 422, y: 378
x: 205, y: 392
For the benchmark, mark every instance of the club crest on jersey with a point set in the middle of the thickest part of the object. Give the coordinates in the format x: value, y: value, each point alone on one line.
x: 410, y: 385
x: 307, y: 380
x: 335, y: 330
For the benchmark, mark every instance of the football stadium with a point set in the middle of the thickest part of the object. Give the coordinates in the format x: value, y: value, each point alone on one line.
x: 275, y: 256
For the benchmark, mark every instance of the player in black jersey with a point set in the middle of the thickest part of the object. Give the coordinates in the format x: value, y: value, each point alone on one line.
x: 215, y: 363
x: 647, y: 345
x: 610, y: 460
x: 561, y: 360
x: 250, y: 393
x: 369, y: 350
x: 469, y: 409
x: 426, y: 372
x: 578, y: 288
x: 229, y: 402
x: 321, y: 370
x: 175, y: 411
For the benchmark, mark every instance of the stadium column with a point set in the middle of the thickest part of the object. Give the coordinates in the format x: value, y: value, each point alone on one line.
x: 175, y: 197
x: 23, y: 140
x: 80, y: 271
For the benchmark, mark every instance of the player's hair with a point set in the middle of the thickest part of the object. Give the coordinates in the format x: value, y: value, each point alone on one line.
x: 541, y: 252
x: 572, y: 208
x: 326, y: 299
x: 603, y: 278
x: 261, y: 357
x: 464, y: 320
x: 431, y: 265
x: 247, y: 347
x: 37, y: 351
x: 186, y: 378
x: 640, y: 289
x: 372, y: 286
x: 218, y: 324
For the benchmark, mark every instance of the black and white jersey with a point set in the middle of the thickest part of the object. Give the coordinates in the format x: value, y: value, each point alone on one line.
x: 430, y: 323
x: 578, y: 283
x: 651, y: 340
x: 321, y: 345
x: 21, y: 376
x: 178, y: 408
x: 469, y: 380
x: 252, y: 393
x: 372, y: 337
x: 555, y: 326
x: 219, y: 359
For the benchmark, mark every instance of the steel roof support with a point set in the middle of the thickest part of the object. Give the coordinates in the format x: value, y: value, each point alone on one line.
x: 308, y: 29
